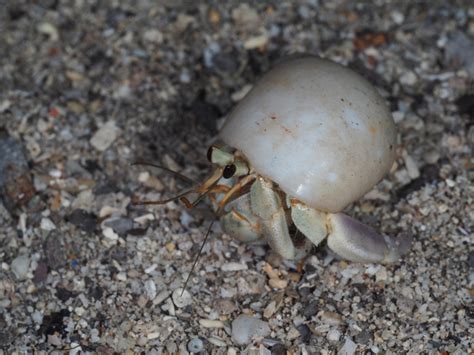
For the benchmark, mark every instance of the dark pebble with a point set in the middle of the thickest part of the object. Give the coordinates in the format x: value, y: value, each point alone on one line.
x: 54, y: 322
x: 83, y: 220
x: 278, y: 349
x: 465, y: 105
x: 96, y: 292
x: 64, y: 294
x: 363, y: 337
x: 54, y: 251
x: 305, y: 333
x: 311, y: 309
x: 120, y: 225
x: 41, y: 272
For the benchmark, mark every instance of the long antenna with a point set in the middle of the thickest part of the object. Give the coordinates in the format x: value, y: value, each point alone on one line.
x: 175, y: 173
x: 196, y: 259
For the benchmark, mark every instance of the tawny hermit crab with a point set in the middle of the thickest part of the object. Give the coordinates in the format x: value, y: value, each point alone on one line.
x: 309, y: 139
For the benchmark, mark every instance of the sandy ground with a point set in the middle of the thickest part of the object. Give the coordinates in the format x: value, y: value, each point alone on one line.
x: 88, y: 86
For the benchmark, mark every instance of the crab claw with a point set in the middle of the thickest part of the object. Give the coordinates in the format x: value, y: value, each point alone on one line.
x: 357, y: 242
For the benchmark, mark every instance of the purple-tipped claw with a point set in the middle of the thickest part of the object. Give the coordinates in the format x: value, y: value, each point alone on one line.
x: 358, y: 242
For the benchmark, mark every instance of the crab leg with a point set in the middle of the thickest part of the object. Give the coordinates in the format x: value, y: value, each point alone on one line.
x: 266, y: 205
x: 358, y: 242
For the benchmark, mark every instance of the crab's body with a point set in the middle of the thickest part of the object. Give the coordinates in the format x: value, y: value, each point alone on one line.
x: 314, y: 136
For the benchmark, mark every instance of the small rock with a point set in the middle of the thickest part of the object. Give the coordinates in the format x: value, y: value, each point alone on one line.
x: 195, y: 345
x: 333, y: 335
x: 54, y: 340
x: 232, y: 266
x: 269, y: 309
x: 150, y: 289
x: 256, y: 42
x: 50, y: 30
x: 210, y: 323
x: 348, y: 348
x: 41, y: 272
x: 181, y: 298
x: 84, y: 200
x: 110, y: 234
x: 311, y: 309
x: 105, y: 136
x: 47, y: 224
x: 224, y: 306
x: 217, y: 341
x: 20, y: 266
x: 161, y: 297
x: 331, y: 318
x: 381, y: 275
x: 37, y: 317
x: 120, y: 225
x: 246, y: 327
x: 83, y: 220
x: 153, y: 36
x: 305, y: 333
x: 411, y: 166
x: 363, y: 337
x: 408, y: 78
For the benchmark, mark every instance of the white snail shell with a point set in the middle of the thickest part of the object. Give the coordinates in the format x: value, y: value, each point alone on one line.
x: 316, y: 128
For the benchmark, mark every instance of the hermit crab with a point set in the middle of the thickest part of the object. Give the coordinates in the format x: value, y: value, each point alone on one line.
x: 310, y: 138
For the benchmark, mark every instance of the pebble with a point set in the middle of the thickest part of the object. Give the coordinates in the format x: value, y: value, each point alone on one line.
x: 225, y: 306
x: 311, y: 309
x: 181, y: 298
x: 105, y: 136
x: 55, y: 254
x: 232, y: 266
x: 150, y: 289
x: 411, y: 166
x: 333, y: 335
x: 269, y: 309
x: 120, y: 225
x: 110, y: 234
x: 331, y: 318
x: 49, y: 29
x: 216, y: 341
x: 83, y: 220
x: 211, y: 323
x: 256, y: 42
x: 41, y: 272
x: 348, y: 348
x: 20, y: 266
x: 408, y: 78
x: 47, y: 224
x: 195, y: 345
x: 245, y: 328
x: 153, y: 35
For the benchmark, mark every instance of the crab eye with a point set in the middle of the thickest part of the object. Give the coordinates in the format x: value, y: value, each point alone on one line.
x: 229, y: 171
x: 209, y: 153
